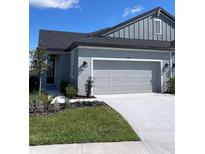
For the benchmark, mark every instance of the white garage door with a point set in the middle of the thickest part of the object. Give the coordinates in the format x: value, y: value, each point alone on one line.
x: 126, y: 76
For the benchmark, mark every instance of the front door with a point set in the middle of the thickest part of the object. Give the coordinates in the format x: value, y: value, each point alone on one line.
x: 51, y: 71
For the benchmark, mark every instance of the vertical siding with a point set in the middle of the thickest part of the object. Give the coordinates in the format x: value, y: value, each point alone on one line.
x: 127, y: 32
x: 111, y: 35
x: 116, y: 34
x: 136, y: 30
x: 144, y: 29
x: 121, y: 33
x: 168, y: 33
x: 150, y: 29
x: 141, y: 32
x: 172, y: 34
x: 154, y: 35
x: 132, y: 32
x: 164, y: 34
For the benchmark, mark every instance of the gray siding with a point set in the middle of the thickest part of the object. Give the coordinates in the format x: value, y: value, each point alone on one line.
x: 144, y: 29
x: 87, y: 54
x: 74, y: 80
x: 62, y: 68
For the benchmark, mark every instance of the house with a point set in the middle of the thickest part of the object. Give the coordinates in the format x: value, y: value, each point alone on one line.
x: 134, y: 56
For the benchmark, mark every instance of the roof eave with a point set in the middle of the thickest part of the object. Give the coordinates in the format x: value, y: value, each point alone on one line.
x: 75, y: 44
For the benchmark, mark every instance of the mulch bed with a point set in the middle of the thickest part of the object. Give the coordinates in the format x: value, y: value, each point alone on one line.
x: 53, y: 108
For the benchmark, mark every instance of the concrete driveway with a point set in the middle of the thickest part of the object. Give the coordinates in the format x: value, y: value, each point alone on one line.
x: 151, y: 115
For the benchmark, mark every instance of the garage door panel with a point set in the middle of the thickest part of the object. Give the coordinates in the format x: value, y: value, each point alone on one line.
x: 102, y: 89
x: 102, y: 81
x: 102, y: 72
x: 118, y: 80
x: 126, y: 76
x: 118, y: 72
x: 134, y: 81
x: 118, y: 88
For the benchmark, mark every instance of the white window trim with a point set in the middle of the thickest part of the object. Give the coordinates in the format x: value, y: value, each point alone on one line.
x: 124, y: 59
x: 155, y: 26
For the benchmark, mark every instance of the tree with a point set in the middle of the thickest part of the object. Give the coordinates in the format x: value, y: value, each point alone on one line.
x: 38, y: 63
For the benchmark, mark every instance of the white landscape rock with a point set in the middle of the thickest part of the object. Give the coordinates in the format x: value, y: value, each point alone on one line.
x: 81, y: 100
x: 59, y: 99
x: 62, y: 100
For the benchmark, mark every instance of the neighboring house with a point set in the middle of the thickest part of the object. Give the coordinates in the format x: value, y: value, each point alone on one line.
x: 134, y: 56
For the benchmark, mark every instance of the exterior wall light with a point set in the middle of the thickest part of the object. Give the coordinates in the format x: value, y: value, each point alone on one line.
x: 173, y: 65
x: 85, y: 64
x: 166, y: 66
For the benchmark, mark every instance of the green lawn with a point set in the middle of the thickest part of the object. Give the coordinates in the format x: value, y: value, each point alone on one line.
x: 91, y: 124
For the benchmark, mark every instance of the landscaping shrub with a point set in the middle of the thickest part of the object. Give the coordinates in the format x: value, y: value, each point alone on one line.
x: 171, y: 85
x: 33, y: 83
x: 88, y: 86
x: 37, y: 102
x: 87, y: 103
x: 70, y: 91
x: 81, y: 104
x: 63, y: 85
x: 67, y: 89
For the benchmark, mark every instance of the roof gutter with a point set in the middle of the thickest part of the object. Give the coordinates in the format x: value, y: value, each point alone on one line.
x: 75, y: 44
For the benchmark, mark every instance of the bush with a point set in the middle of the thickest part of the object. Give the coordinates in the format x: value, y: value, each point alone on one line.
x: 67, y: 89
x: 37, y: 102
x: 33, y: 83
x: 88, y: 86
x: 63, y: 85
x: 70, y: 91
x: 171, y: 85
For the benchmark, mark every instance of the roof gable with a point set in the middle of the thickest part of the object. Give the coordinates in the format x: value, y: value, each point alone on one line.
x: 135, y: 19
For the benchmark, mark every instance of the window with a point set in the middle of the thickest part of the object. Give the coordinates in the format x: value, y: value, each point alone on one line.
x: 157, y: 26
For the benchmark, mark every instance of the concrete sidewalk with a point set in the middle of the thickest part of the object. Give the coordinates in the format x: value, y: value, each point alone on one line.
x: 92, y: 148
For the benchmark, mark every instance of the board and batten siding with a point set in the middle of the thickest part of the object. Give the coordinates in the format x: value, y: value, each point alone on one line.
x: 144, y: 29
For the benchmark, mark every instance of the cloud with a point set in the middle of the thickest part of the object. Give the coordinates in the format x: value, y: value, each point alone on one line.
x: 130, y: 11
x: 60, y: 4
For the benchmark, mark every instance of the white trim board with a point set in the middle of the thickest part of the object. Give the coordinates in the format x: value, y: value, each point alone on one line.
x: 124, y: 59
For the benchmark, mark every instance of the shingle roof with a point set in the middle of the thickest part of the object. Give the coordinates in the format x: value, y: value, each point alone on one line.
x: 58, y: 39
x: 123, y: 43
